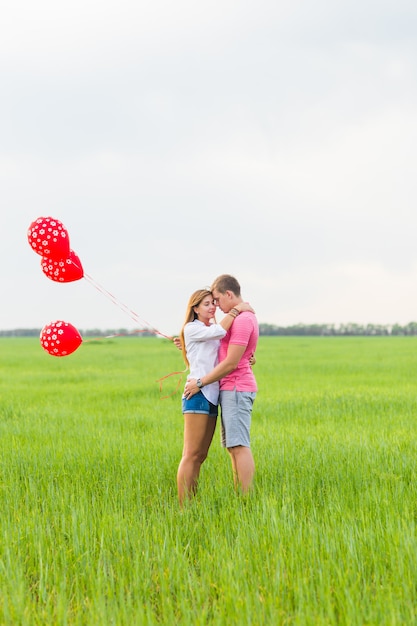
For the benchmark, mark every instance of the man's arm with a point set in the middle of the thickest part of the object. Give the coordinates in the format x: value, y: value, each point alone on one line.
x: 230, y: 363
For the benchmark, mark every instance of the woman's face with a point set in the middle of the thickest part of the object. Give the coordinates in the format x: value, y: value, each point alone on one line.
x: 206, y: 309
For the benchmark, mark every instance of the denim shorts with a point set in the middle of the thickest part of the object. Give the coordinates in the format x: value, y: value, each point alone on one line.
x: 236, y: 417
x: 199, y: 404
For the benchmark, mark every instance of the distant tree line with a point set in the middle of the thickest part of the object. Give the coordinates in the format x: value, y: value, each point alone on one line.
x: 344, y: 330
x: 92, y: 332
x: 306, y: 330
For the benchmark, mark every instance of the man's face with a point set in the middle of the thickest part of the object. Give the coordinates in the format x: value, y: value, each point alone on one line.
x: 221, y: 300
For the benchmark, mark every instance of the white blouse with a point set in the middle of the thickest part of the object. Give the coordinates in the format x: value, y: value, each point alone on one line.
x: 202, y: 344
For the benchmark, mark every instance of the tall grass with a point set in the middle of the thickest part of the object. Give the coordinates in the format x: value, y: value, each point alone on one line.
x: 90, y: 528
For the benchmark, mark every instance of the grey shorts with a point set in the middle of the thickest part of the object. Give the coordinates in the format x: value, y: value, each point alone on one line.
x: 236, y: 413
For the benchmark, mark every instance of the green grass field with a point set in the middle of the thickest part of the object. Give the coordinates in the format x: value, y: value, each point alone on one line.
x: 90, y: 528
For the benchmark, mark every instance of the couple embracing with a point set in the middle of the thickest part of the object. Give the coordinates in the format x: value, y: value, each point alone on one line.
x: 220, y: 358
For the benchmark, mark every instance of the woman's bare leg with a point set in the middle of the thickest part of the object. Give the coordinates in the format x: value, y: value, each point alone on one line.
x: 198, y: 434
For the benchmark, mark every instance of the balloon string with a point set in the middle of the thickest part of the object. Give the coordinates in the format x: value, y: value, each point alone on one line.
x: 135, y: 317
x: 180, y: 379
x: 135, y: 331
x: 159, y: 380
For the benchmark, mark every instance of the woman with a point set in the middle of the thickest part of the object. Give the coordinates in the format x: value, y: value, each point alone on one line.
x: 200, y: 340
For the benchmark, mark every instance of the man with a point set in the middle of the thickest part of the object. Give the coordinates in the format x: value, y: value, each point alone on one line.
x: 237, y: 382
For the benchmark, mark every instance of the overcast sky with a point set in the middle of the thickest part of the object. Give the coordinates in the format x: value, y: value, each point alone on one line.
x: 274, y: 140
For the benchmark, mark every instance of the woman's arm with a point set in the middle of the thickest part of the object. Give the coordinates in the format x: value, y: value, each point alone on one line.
x: 229, y: 318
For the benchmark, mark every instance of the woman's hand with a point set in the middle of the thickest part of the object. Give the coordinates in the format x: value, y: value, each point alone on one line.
x: 244, y: 306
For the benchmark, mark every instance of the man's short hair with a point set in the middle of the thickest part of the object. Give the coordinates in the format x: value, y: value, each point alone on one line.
x: 224, y: 283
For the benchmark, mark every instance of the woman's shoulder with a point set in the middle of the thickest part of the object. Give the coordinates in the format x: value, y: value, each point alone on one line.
x: 190, y: 326
x: 193, y: 324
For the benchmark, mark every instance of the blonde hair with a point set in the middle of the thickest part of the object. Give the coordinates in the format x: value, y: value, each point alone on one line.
x: 190, y: 315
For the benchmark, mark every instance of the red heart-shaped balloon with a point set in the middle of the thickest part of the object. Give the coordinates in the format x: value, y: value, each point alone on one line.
x: 60, y: 338
x: 49, y: 237
x: 63, y: 270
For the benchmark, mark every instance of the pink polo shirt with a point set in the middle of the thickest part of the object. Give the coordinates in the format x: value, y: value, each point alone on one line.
x: 243, y: 332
